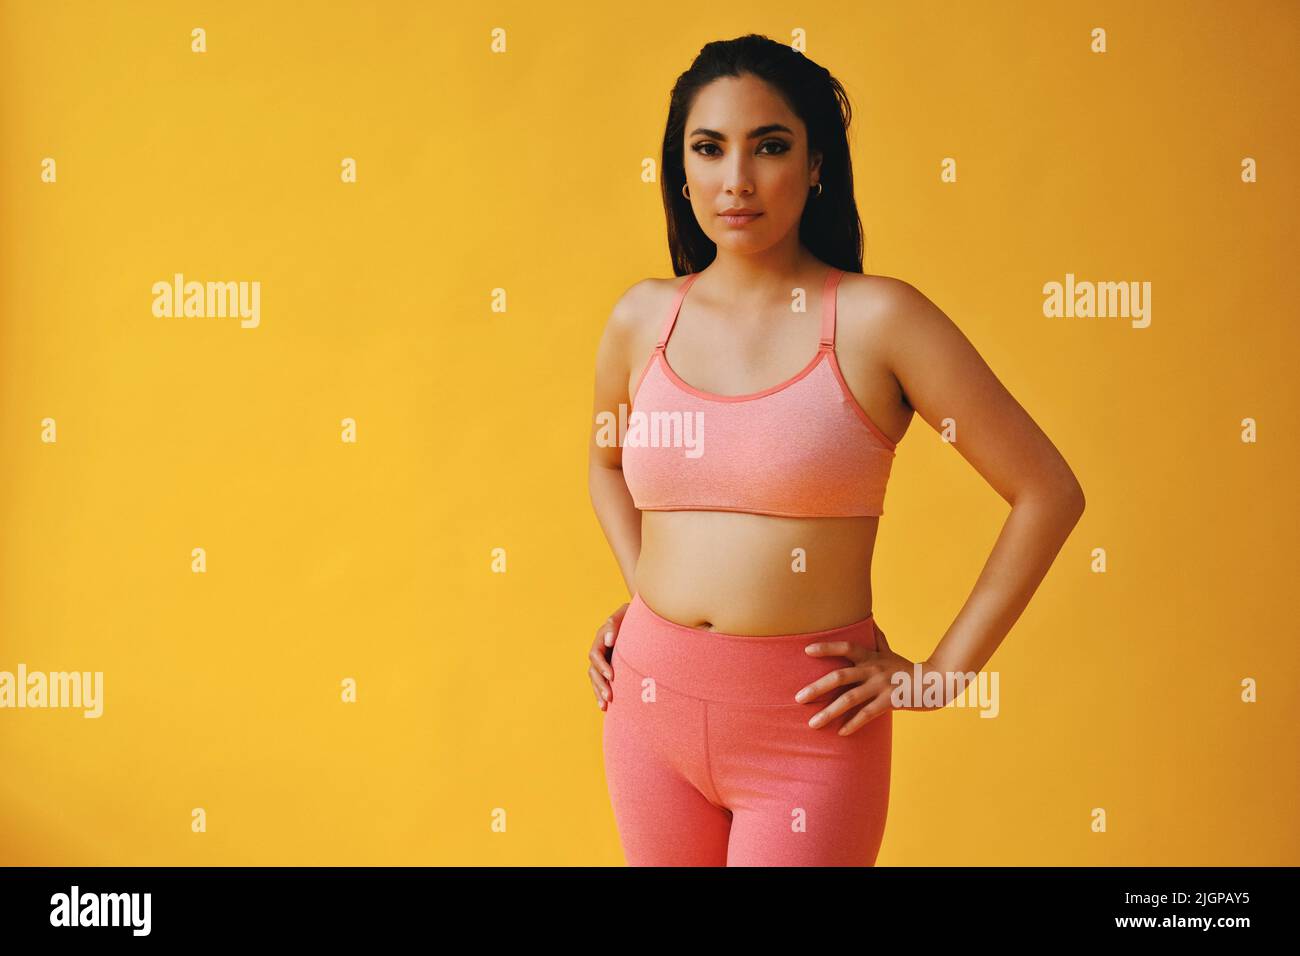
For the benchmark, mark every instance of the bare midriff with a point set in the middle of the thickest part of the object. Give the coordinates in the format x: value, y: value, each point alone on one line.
x: 758, y: 575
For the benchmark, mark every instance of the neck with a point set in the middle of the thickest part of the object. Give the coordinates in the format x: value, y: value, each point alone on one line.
x: 754, y: 280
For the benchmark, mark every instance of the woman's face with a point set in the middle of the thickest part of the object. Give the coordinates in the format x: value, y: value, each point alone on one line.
x: 744, y: 148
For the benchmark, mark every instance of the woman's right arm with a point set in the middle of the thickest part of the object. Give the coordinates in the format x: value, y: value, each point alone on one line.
x: 618, y: 516
x: 615, y: 511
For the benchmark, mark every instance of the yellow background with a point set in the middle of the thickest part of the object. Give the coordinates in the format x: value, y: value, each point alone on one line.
x: 521, y: 171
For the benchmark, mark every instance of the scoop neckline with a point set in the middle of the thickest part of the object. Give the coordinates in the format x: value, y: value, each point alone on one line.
x: 761, y: 393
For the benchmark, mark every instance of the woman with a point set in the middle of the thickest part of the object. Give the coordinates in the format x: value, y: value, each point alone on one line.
x: 743, y: 513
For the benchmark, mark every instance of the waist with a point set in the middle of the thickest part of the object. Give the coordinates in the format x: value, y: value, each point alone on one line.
x: 755, y: 574
x: 733, y: 668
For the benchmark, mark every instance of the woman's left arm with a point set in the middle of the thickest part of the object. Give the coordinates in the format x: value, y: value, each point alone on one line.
x: 949, y: 385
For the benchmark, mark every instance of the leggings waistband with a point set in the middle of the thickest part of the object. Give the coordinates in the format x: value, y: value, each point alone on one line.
x: 732, y: 668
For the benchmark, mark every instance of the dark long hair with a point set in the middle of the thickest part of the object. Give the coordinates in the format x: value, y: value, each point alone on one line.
x: 830, y: 226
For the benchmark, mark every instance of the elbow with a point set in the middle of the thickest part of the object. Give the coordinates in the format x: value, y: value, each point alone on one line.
x: 1074, y: 499
x: 1063, y: 499
x: 1067, y: 493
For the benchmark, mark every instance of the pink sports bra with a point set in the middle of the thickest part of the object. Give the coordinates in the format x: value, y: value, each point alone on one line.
x: 804, y: 448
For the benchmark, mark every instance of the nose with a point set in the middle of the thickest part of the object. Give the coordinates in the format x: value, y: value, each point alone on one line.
x: 738, y: 187
x: 738, y: 181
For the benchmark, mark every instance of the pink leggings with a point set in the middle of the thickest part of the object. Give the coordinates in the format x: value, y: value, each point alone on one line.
x: 710, y: 760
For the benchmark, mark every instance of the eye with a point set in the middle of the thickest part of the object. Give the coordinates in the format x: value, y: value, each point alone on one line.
x: 781, y: 147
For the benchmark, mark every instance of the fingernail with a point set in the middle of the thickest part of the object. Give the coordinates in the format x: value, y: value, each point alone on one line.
x: 609, y: 638
x: 605, y: 694
x: 801, y: 696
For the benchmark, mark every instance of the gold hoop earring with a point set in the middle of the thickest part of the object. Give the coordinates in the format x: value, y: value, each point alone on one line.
x: 686, y: 190
x: 818, y: 187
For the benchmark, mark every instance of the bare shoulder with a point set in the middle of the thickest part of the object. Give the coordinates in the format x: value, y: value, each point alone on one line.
x: 889, y: 312
x: 632, y: 317
x: 630, y: 333
x: 883, y: 299
x: 635, y: 322
x: 884, y: 327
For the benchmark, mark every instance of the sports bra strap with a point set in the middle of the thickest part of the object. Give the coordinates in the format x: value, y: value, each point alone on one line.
x: 828, y: 308
x: 677, y: 307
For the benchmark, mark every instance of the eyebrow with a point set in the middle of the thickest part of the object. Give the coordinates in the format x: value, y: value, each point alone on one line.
x: 753, y: 133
